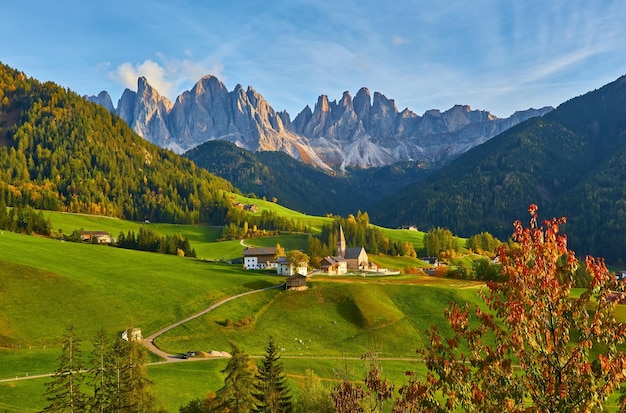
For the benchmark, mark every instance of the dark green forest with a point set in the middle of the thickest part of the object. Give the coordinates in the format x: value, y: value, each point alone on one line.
x: 59, y: 152
x: 570, y: 162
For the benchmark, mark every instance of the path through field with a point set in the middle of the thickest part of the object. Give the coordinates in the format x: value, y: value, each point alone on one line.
x: 148, y: 342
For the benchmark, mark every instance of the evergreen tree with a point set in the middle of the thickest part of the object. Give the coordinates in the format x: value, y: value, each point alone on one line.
x: 64, y: 391
x: 139, y: 399
x: 272, y: 391
x: 236, y: 396
x: 100, y: 371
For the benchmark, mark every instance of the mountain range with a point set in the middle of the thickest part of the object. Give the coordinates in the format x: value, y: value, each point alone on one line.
x: 58, y: 151
x: 360, y: 132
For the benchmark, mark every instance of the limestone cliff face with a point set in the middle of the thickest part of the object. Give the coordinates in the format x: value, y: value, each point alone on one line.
x: 363, y: 131
x: 146, y: 112
x: 368, y: 132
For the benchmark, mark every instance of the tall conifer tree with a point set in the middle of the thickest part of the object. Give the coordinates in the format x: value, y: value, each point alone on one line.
x: 272, y: 390
x: 64, y: 391
x: 236, y: 395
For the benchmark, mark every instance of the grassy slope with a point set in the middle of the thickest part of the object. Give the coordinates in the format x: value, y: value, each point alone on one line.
x: 46, y: 285
x: 333, y: 318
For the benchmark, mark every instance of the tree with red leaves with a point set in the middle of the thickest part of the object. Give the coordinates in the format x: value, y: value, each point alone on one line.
x: 536, y: 348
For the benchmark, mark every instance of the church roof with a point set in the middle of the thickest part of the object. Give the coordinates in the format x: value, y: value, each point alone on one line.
x: 354, y: 252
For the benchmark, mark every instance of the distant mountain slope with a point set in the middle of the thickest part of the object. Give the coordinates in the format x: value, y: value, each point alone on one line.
x: 571, y: 162
x: 362, y: 132
x: 59, y: 152
x: 302, y: 187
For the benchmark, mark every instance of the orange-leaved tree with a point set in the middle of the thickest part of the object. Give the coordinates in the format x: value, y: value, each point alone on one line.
x: 537, y: 347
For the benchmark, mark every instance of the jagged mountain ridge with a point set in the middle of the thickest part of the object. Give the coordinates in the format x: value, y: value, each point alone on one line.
x: 360, y: 132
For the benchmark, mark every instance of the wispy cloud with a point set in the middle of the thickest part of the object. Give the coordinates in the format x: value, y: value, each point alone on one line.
x: 169, y: 76
x: 399, y: 40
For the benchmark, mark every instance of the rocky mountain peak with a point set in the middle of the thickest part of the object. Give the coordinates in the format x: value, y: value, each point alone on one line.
x: 363, y: 131
x: 103, y: 99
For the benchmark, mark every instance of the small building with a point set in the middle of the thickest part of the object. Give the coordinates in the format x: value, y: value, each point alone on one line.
x: 133, y: 334
x: 251, y: 208
x: 296, y: 282
x: 259, y: 258
x: 97, y: 237
x: 284, y: 267
x: 356, y: 258
x: 334, y: 265
x: 430, y: 260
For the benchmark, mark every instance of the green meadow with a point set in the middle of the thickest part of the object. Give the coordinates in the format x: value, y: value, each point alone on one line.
x: 47, y: 285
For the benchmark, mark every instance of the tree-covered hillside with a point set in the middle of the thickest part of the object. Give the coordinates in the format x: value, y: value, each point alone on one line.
x: 59, y: 152
x: 570, y: 162
x: 302, y: 187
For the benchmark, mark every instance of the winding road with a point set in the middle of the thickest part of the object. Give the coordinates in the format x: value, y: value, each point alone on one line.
x: 148, y: 342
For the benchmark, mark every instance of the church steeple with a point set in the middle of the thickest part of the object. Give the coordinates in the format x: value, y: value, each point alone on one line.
x: 341, y: 243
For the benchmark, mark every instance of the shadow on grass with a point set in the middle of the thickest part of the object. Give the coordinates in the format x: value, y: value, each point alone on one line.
x: 258, y: 284
x: 350, y: 312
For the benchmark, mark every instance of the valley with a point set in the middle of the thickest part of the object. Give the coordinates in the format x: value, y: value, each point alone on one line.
x: 53, y: 284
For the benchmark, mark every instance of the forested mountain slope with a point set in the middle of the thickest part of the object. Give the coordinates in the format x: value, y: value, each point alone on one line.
x: 60, y: 152
x: 302, y: 187
x: 571, y: 162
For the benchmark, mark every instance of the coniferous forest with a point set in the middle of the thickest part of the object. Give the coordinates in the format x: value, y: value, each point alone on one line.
x: 59, y: 152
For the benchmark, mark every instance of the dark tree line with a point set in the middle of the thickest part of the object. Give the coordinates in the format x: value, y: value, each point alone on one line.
x: 244, y: 225
x: 25, y: 220
x: 148, y: 240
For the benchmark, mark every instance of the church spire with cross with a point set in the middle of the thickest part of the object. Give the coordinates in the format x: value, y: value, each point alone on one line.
x: 341, y: 243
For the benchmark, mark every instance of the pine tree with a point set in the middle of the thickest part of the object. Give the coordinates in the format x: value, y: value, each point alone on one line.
x: 272, y: 391
x: 64, y: 391
x: 236, y: 396
x: 100, y: 372
x: 137, y: 383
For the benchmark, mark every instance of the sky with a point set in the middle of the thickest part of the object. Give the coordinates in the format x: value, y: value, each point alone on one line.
x: 497, y: 55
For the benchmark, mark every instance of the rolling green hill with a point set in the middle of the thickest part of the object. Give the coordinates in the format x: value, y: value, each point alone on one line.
x: 47, y: 284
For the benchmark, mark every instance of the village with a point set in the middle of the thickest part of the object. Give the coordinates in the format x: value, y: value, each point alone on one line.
x: 349, y: 260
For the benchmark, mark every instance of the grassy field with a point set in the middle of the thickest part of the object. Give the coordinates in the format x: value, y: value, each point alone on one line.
x: 330, y: 319
x: 47, y: 285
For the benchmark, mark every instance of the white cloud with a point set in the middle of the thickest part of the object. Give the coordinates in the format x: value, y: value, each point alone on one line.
x: 168, y: 76
x: 399, y: 40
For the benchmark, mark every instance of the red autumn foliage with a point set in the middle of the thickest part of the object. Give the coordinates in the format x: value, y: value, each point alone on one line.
x: 531, y: 350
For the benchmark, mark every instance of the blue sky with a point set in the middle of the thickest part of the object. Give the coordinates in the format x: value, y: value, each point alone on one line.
x: 495, y: 55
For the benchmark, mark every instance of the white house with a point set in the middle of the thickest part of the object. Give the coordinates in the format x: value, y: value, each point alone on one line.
x: 259, y: 258
x: 284, y: 267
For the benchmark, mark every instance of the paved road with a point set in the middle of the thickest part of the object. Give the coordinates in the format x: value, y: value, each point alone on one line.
x: 148, y: 342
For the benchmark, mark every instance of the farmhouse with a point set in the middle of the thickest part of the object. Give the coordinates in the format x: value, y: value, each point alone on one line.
x: 284, y: 267
x: 246, y: 207
x: 334, y: 265
x: 99, y: 237
x: 259, y: 258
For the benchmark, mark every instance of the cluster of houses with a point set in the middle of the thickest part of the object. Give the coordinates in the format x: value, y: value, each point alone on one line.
x: 353, y: 259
